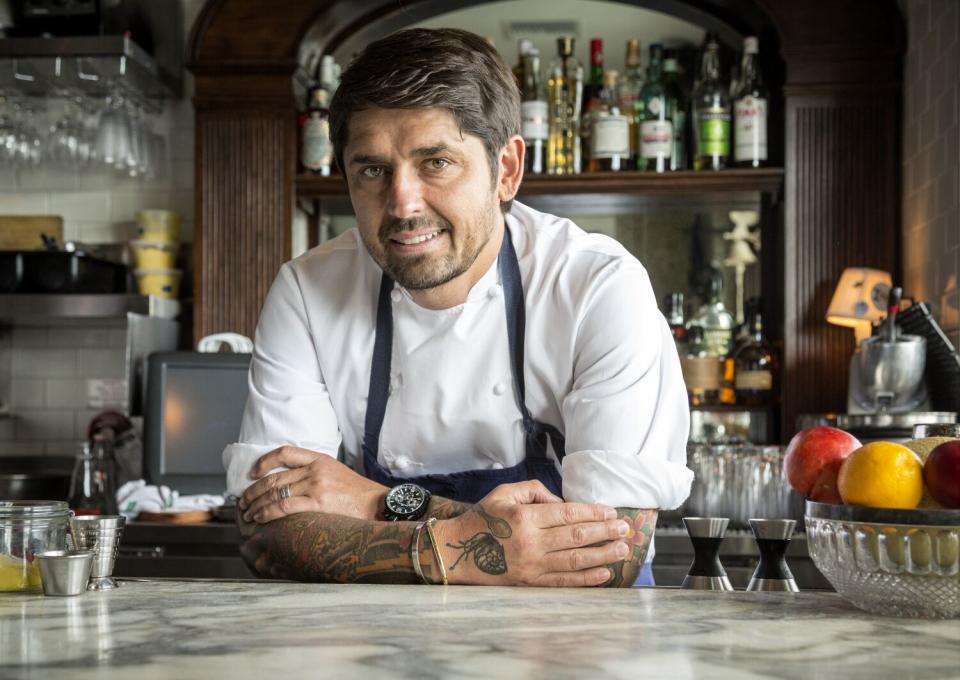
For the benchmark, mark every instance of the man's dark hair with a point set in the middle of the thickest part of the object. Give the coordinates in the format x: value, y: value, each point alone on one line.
x: 425, y: 68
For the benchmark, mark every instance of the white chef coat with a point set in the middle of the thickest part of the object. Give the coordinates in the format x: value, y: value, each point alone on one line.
x: 600, y: 365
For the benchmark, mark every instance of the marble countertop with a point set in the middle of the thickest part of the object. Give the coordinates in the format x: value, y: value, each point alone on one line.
x: 238, y: 629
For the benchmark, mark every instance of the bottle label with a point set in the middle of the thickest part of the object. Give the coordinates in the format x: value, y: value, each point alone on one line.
x: 750, y: 129
x: 714, y: 132
x: 656, y: 138
x: 610, y: 138
x: 754, y: 380
x: 701, y: 373
x: 533, y: 123
x: 317, y: 151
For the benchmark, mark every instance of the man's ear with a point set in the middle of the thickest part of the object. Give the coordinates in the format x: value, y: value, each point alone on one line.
x: 511, y: 168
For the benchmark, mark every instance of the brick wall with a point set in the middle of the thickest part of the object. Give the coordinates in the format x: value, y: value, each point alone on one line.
x: 931, y: 158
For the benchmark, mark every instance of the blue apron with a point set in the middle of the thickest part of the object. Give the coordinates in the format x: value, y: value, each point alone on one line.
x: 468, y: 486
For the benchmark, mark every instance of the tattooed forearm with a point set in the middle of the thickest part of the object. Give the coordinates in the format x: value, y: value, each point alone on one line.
x: 642, y: 524
x: 330, y: 548
x: 486, y: 550
x: 444, y: 508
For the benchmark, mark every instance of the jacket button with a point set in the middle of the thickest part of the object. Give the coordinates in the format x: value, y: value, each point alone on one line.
x: 499, y: 388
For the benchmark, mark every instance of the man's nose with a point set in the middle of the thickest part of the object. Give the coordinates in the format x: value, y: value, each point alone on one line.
x: 405, y: 199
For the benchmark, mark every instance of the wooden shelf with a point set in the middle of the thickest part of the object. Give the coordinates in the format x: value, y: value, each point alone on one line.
x: 760, y: 180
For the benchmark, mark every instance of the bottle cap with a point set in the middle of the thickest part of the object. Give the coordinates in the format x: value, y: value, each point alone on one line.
x: 524, y: 45
x: 633, y: 52
x: 565, y: 45
x: 751, y: 45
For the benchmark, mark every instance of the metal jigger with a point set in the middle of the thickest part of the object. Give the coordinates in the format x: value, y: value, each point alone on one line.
x: 101, y: 535
x: 706, y: 572
x: 773, y: 536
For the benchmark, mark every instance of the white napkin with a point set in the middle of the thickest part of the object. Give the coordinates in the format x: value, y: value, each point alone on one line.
x: 137, y: 496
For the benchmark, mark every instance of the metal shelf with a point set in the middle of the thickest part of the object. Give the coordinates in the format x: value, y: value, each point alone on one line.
x: 80, y: 306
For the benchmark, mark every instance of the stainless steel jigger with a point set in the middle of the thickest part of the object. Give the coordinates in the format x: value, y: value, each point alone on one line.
x: 773, y: 536
x: 101, y: 535
x: 706, y: 572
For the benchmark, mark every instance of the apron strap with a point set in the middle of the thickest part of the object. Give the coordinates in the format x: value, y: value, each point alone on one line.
x: 379, y: 390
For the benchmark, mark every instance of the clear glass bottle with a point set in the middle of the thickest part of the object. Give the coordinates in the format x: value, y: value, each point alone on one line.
x: 564, y: 96
x: 656, y: 117
x: 673, y: 89
x: 93, y: 482
x: 534, y: 127
x: 674, y: 314
x: 755, y: 367
x: 610, y: 137
x: 750, y: 110
x: 631, y: 82
x: 701, y: 371
x: 717, y: 323
x: 711, y: 112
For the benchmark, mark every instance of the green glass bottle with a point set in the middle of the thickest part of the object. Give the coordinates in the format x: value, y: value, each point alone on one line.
x: 673, y: 87
x: 711, y: 112
x: 656, y: 117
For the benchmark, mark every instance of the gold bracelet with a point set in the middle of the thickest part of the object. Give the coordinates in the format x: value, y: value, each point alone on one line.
x: 436, y: 549
x: 415, y: 553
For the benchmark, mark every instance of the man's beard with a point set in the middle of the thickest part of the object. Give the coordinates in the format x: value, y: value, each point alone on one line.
x: 429, y: 270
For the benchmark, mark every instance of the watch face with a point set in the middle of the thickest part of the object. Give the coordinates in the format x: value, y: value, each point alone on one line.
x: 405, y: 499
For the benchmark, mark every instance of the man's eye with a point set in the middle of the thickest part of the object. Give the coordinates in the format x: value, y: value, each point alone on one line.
x: 372, y: 172
x: 438, y: 163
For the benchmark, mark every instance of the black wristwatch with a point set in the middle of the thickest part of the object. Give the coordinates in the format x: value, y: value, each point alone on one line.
x: 406, y: 503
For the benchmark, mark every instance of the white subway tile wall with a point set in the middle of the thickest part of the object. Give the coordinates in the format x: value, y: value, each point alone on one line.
x: 44, y: 369
x: 931, y: 158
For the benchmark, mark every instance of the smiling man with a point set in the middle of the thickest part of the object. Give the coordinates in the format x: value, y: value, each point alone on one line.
x: 462, y: 389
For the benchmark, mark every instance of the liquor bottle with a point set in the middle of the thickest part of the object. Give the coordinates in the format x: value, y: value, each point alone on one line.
x: 701, y: 371
x: 610, y: 136
x: 674, y: 314
x: 631, y: 82
x: 564, y: 96
x: 750, y: 111
x: 717, y: 323
x: 711, y: 112
x: 524, y: 45
x: 591, y: 96
x: 93, y: 482
x: 316, y: 151
x: 656, y: 117
x: 673, y: 89
x: 534, y: 113
x: 755, y: 367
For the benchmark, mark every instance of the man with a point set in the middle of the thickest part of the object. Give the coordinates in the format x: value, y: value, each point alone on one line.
x: 489, y: 368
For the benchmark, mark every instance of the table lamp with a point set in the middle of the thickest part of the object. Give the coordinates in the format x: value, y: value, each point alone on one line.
x: 860, y: 300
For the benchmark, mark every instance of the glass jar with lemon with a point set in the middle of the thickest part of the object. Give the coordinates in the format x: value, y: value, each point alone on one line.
x: 27, y: 528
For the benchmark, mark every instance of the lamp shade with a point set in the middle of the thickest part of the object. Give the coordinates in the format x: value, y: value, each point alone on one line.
x: 860, y: 298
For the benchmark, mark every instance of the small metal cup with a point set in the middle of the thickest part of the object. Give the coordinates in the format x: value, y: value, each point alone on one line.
x: 65, y: 572
x: 101, y: 535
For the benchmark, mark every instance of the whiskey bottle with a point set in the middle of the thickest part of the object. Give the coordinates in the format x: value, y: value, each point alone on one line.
x: 564, y: 96
x: 656, y: 117
x: 711, y: 112
x: 755, y: 367
x: 610, y: 136
x: 534, y: 114
x: 673, y: 89
x: 750, y: 111
x: 701, y: 371
x: 631, y: 82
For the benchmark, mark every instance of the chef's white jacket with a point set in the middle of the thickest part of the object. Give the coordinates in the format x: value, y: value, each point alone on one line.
x: 600, y: 365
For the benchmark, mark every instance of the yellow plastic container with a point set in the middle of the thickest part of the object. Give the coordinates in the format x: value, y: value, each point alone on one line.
x: 154, y: 254
x: 158, y: 225
x: 160, y: 282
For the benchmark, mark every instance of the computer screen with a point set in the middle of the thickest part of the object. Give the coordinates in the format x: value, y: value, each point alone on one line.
x: 194, y: 405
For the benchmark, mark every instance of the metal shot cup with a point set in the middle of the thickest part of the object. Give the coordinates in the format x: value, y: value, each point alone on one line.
x: 101, y: 535
x: 706, y: 572
x: 65, y: 573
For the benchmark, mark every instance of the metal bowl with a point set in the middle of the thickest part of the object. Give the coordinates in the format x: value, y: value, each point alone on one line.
x: 892, y: 562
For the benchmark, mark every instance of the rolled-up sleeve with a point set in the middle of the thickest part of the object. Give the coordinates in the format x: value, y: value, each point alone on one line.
x: 288, y: 403
x: 626, y: 417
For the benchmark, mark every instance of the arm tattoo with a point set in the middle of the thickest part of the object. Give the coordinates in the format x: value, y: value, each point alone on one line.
x: 642, y: 524
x: 330, y: 548
x: 444, y: 508
x: 487, y: 551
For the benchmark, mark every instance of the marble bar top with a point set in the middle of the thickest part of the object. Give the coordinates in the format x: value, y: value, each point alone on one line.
x: 279, y: 630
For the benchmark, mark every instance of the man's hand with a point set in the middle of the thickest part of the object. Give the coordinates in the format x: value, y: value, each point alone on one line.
x: 318, y: 483
x: 521, y: 534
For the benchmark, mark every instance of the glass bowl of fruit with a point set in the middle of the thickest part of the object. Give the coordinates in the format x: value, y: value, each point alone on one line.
x: 889, y: 561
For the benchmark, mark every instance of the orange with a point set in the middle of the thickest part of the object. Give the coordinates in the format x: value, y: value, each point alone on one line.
x: 881, y: 475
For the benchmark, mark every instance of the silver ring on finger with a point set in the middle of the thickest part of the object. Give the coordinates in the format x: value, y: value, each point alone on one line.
x: 285, y: 491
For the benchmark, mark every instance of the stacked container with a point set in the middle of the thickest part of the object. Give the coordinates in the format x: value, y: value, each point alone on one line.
x: 155, y: 253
